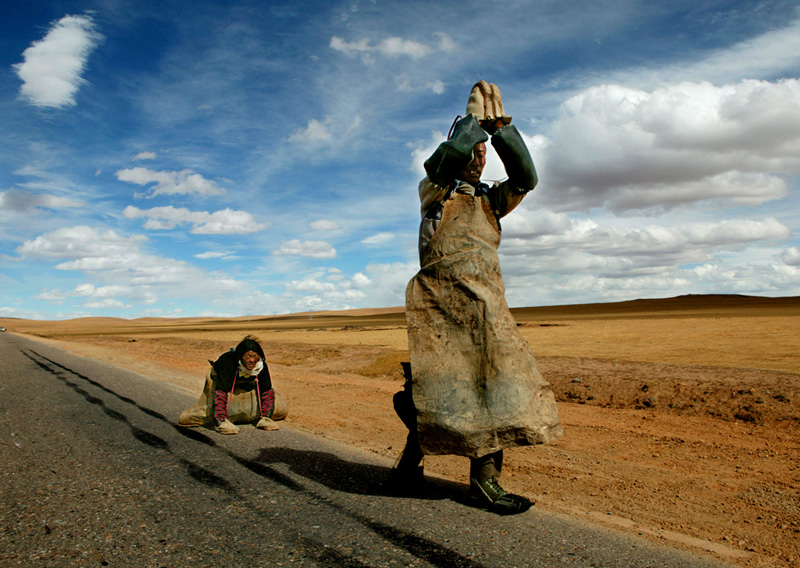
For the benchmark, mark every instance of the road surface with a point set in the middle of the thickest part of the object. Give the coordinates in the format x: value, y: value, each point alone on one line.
x: 95, y: 472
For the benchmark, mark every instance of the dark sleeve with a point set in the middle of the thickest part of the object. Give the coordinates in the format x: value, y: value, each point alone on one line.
x: 264, y: 380
x: 225, y: 370
x: 516, y: 158
x: 522, y: 178
x: 455, y: 154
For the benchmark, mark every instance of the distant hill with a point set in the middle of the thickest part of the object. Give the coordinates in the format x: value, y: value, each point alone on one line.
x: 682, y: 306
x: 691, y: 305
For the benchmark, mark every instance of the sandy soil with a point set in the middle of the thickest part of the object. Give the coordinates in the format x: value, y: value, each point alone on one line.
x: 682, y: 416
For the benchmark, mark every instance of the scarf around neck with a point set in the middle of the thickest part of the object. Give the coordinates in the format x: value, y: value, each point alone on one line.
x: 245, y: 372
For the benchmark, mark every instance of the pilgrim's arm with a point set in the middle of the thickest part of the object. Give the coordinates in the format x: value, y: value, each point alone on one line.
x: 522, y: 178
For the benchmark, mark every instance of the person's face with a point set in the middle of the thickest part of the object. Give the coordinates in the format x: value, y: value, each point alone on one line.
x: 472, y: 173
x: 250, y: 359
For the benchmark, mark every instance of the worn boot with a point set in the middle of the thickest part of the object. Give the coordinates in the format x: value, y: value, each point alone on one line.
x: 485, y: 490
x: 487, y: 494
x: 224, y: 425
x: 267, y: 406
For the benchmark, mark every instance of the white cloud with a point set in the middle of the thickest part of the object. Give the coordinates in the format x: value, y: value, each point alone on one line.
x: 326, y: 131
x: 791, y: 256
x: 80, y: 242
x: 585, y: 247
x: 224, y: 222
x: 534, y: 223
x: 313, y: 249
x: 310, y: 285
x: 733, y: 232
x: 315, y: 131
x: 24, y: 202
x: 422, y: 150
x: 211, y: 254
x: 760, y: 278
x: 52, y: 67
x: 437, y: 87
x: 127, y: 274
x: 392, y: 47
x: 324, y: 225
x: 378, y: 239
x: 184, y: 182
x: 108, y: 303
x: 379, y: 285
x: 361, y: 281
x: 105, y: 297
x: 335, y: 275
x: 387, y: 282
x: 145, y: 156
x: 628, y: 149
x: 405, y: 85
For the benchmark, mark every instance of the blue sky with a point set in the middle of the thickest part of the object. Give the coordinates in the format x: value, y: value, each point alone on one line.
x: 200, y: 158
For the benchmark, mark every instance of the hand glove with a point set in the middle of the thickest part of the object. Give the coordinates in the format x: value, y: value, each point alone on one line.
x: 452, y: 156
x: 486, y: 104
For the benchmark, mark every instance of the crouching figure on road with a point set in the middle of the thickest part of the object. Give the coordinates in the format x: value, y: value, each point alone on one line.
x: 238, y: 390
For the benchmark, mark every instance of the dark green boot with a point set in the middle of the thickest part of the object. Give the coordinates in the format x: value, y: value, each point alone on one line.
x: 487, y: 494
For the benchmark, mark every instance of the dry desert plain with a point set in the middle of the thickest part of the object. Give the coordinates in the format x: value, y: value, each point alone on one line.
x: 682, y: 415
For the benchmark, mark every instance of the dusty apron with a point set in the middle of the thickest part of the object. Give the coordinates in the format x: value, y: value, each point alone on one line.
x: 475, y: 383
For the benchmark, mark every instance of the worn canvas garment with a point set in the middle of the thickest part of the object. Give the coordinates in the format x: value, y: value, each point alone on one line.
x: 475, y: 382
x: 244, y: 407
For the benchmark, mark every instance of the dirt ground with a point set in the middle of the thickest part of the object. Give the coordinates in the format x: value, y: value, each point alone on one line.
x: 681, y: 416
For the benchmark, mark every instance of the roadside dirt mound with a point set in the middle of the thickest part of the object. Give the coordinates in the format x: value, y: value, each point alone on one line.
x: 748, y: 395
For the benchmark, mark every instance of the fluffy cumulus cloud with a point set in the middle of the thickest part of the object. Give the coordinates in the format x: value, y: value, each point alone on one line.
x: 583, y: 245
x: 582, y: 259
x: 25, y: 202
x: 122, y: 273
x: 145, y: 156
x: 184, y: 182
x: 313, y: 249
x: 387, y: 282
x: 52, y: 68
x: 312, y: 294
x: 791, y: 256
x: 631, y: 150
x: 224, y: 222
x: 80, y: 242
x: 379, y: 285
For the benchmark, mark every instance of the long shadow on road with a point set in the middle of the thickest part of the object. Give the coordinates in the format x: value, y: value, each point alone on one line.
x: 324, y: 468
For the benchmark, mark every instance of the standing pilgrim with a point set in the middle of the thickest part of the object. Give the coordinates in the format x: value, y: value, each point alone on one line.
x: 238, y: 389
x: 473, y: 385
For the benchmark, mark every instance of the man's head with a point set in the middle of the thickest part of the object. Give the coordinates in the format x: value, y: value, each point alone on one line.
x: 249, y: 343
x: 472, y: 173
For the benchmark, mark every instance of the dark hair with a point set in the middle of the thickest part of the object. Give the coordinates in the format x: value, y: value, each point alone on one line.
x: 249, y: 343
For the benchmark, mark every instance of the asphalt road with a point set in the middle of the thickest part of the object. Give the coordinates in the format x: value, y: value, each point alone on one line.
x: 95, y: 472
